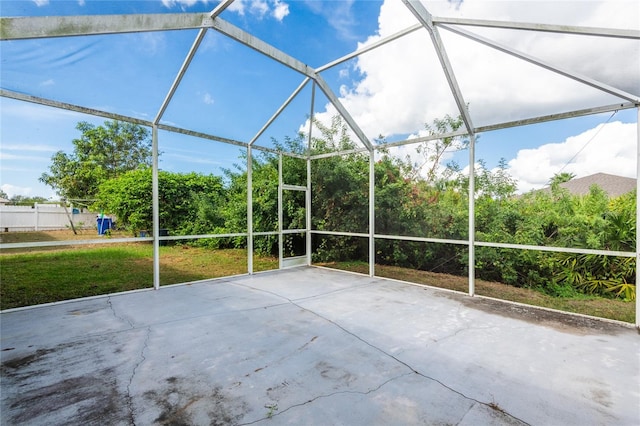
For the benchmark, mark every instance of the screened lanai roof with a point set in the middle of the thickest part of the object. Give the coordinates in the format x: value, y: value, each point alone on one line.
x: 252, y: 71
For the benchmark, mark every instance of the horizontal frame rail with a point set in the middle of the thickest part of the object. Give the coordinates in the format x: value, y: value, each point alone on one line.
x: 340, y: 234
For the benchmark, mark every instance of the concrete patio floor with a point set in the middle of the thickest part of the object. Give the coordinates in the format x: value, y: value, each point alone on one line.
x: 310, y: 346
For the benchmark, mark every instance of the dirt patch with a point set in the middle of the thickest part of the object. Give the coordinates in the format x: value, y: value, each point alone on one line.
x: 180, y: 403
x: 75, y: 383
x: 94, y: 398
x: 11, y: 365
x: 560, y: 321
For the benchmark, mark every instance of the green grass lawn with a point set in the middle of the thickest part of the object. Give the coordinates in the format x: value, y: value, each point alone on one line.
x: 48, y: 274
x: 67, y: 273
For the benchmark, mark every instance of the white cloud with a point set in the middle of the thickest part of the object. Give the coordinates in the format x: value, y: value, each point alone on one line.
x: 182, y: 3
x: 48, y: 82
x: 38, y: 113
x: 12, y: 190
x: 28, y: 147
x: 259, y: 8
x: 402, y: 85
x: 207, y: 99
x: 280, y: 10
x: 195, y: 159
x: 15, y: 157
x: 277, y: 9
x: 41, y: 2
x: 607, y: 148
x: 149, y: 43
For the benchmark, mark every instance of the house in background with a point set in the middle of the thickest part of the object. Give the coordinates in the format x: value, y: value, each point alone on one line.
x: 613, y: 185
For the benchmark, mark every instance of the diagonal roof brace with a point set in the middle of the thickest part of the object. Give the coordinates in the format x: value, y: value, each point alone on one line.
x: 533, y: 60
x: 343, y: 112
x: 266, y: 49
x: 279, y: 111
x: 550, y: 28
x: 185, y: 65
x: 220, y: 8
x: 258, y: 45
x: 424, y: 17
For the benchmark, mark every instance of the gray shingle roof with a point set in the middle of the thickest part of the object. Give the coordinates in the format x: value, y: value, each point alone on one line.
x: 613, y: 185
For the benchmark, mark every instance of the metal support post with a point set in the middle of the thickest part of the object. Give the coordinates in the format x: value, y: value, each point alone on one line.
x: 155, y: 202
x: 280, y: 235
x: 308, y: 194
x: 372, y: 213
x: 638, y: 220
x: 307, y: 205
x: 249, y: 211
x: 472, y: 214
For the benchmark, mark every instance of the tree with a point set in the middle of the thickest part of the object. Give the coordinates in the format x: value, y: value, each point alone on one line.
x: 432, y: 151
x: 101, y: 153
x: 189, y: 202
x: 560, y: 178
x: 23, y: 200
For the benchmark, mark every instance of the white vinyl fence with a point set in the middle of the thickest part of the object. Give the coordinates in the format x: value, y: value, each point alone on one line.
x: 41, y: 217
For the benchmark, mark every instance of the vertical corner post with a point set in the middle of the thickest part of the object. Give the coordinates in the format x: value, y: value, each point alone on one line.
x: 155, y: 202
x: 309, y: 247
x: 472, y: 214
x: 638, y: 218
x: 249, y: 211
x: 372, y: 213
x: 280, y: 235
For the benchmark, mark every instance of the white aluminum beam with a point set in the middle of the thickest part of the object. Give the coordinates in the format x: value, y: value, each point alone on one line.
x: 339, y: 153
x: 200, y: 236
x: 155, y: 205
x: 71, y: 107
x: 279, y: 56
x: 340, y: 234
x: 258, y: 45
x: 556, y: 249
x: 279, y: 111
x: 454, y: 134
x: 554, y: 117
x: 422, y: 239
x: 370, y: 47
x: 424, y: 17
x: 20, y: 28
x: 293, y: 187
x: 550, y: 28
x: 308, y: 196
x: 35, y: 244
x: 220, y: 8
x: 343, y: 112
x: 178, y: 79
x: 533, y: 60
x: 204, y: 136
x: 249, y: 210
x: 472, y: 216
x: 372, y: 213
x: 638, y: 220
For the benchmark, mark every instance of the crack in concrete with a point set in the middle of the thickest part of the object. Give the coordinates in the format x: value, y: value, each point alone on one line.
x: 113, y: 310
x: 491, y: 405
x: 329, y: 395
x: 133, y: 373
x: 245, y: 285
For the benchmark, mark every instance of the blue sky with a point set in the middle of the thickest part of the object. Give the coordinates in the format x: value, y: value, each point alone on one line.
x: 231, y: 91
